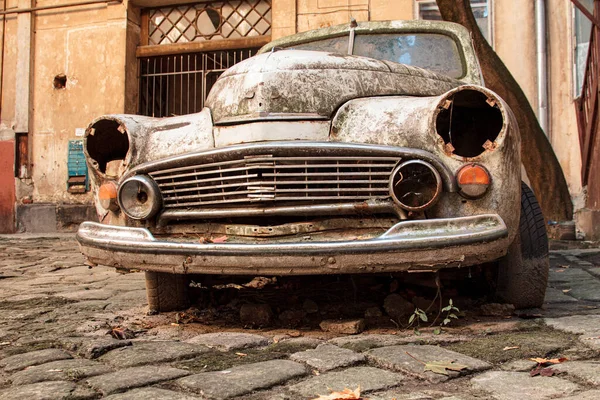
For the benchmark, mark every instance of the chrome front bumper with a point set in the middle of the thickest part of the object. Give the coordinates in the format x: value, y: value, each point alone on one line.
x: 408, y: 245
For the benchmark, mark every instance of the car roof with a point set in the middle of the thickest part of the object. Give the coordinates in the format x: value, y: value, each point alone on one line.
x: 458, y: 32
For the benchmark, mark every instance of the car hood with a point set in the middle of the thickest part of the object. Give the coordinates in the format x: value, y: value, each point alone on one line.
x: 305, y: 85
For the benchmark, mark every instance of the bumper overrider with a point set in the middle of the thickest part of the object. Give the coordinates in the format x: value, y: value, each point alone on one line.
x: 419, y: 245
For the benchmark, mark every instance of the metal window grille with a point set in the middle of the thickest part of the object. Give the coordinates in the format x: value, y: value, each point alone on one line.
x: 178, y: 84
x: 209, y: 21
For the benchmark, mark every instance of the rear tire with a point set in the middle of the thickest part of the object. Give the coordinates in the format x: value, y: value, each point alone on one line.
x: 166, y: 292
x: 523, y: 272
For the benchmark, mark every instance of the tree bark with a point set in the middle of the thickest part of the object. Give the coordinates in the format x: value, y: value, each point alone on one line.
x: 543, y: 169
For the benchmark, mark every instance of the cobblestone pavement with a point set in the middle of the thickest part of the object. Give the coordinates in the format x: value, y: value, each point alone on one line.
x: 56, y: 314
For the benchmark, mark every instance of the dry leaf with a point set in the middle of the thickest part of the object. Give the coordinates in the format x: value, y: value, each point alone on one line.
x: 345, y: 394
x: 511, y: 348
x: 241, y: 354
x: 220, y: 239
x: 540, y: 370
x: 549, y: 361
x: 121, y: 333
x: 566, y: 290
x: 548, y: 372
x: 441, y: 367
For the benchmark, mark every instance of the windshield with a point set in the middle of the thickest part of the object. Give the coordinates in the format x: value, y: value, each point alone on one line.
x: 432, y: 51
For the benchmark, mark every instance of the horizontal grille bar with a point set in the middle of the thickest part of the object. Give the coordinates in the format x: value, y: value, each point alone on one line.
x: 266, y: 178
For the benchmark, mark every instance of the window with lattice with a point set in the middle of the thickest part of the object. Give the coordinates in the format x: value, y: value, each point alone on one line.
x: 208, y: 21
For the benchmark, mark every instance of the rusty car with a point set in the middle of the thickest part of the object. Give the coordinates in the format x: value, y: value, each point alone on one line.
x: 363, y: 148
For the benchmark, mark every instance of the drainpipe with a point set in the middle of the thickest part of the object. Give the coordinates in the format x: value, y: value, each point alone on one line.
x: 542, y: 64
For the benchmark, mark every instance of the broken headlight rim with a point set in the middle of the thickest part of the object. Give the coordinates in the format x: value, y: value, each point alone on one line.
x: 139, y: 197
x: 415, y: 185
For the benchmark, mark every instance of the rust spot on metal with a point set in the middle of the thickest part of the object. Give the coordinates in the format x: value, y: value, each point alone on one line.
x: 122, y: 129
x: 446, y: 105
x: 491, y: 101
x: 449, y: 149
x: 489, y: 145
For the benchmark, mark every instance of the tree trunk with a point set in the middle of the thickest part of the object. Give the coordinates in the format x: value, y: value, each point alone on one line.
x: 543, y: 169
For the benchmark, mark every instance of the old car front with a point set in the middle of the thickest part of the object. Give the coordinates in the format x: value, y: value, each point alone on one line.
x: 310, y: 160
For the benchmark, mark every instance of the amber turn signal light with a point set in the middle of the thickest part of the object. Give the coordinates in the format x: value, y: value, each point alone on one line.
x: 473, y: 181
x: 107, y: 194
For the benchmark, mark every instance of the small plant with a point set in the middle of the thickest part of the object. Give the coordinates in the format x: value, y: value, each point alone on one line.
x: 417, y: 316
x: 451, y: 312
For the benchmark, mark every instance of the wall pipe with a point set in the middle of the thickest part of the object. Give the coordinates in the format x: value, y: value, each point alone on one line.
x: 56, y: 6
x: 542, y: 64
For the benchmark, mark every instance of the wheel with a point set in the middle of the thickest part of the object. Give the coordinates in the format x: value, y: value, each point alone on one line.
x: 166, y: 292
x: 523, y: 273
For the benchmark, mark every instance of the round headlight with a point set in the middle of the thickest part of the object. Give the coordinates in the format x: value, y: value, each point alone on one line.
x: 415, y: 185
x: 139, y: 197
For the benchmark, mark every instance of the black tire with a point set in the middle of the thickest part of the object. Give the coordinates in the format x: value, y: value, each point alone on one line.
x: 523, y: 272
x: 166, y: 292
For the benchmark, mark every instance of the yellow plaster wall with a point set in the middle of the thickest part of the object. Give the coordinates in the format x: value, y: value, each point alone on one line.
x: 563, y: 123
x: 291, y: 16
x: 9, y: 66
x: 88, y: 45
x: 514, y: 40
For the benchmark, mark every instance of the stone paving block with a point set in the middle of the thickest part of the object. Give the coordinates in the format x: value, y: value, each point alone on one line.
x: 569, y: 275
x: 291, y: 345
x: 150, y: 393
x: 243, y: 379
x: 327, y: 357
x: 100, y: 346
x: 397, y: 358
x: 344, y: 327
x: 401, y: 394
x: 21, y: 361
x: 152, y: 353
x: 92, y: 347
x: 519, y: 365
x: 586, y: 371
x: 97, y: 294
x: 135, y: 377
x: 227, y: 341
x: 588, y: 395
x: 591, y: 341
x: 580, y: 324
x: 64, y: 370
x: 556, y: 296
x: 504, y: 385
x: 58, y: 390
x: 368, y: 378
x: 369, y: 341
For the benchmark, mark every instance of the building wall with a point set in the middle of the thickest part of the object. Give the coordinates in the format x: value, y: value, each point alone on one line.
x: 88, y: 45
x: 563, y: 123
x: 94, y: 46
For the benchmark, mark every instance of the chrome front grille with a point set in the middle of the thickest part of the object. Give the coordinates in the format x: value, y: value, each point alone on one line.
x: 267, y: 178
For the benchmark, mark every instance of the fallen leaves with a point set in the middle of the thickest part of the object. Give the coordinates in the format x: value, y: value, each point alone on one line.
x: 346, y: 394
x: 121, y: 333
x: 549, y: 361
x: 442, y: 367
x: 542, y: 370
x: 220, y: 239
x: 511, y: 348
